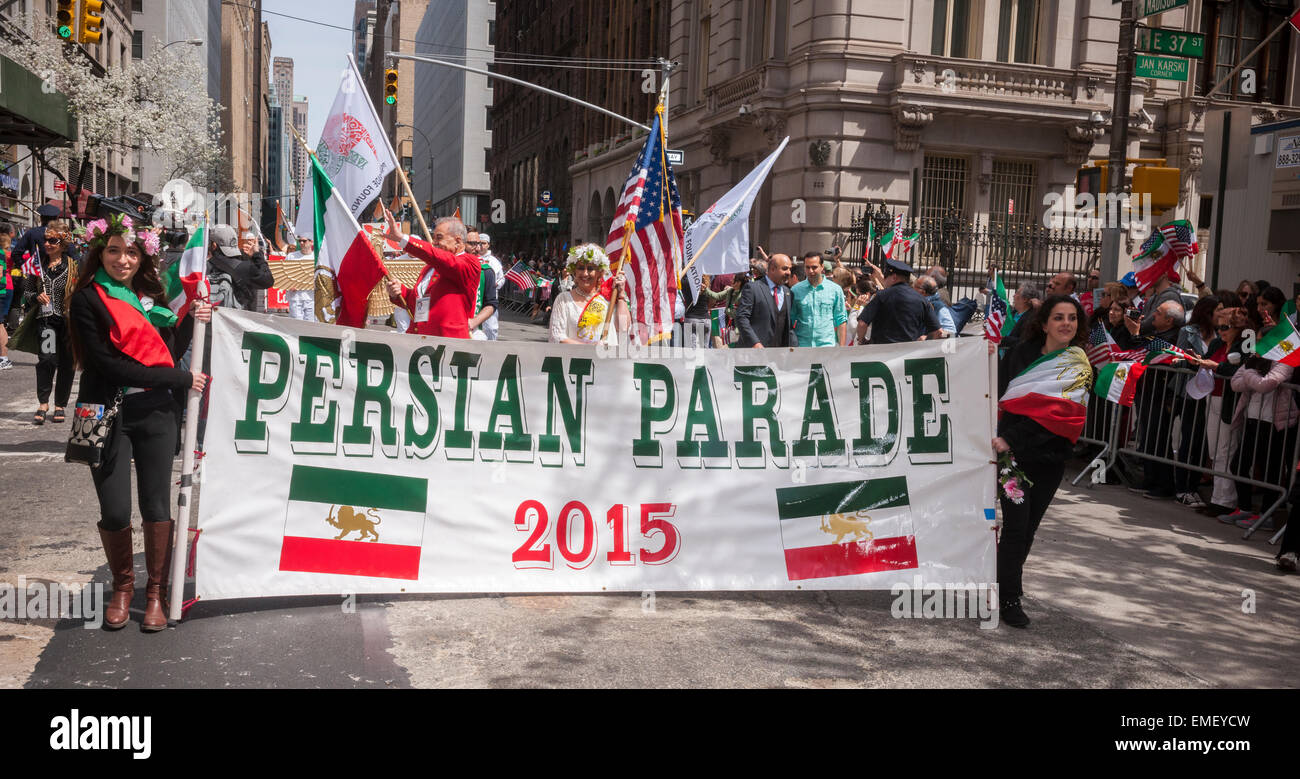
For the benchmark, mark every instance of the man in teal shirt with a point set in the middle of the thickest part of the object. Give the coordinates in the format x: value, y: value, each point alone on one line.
x: 819, y: 313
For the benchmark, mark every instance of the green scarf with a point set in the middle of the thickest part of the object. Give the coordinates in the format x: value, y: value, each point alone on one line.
x: 158, y: 316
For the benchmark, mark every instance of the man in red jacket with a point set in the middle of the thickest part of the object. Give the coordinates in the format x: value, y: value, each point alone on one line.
x: 442, y: 301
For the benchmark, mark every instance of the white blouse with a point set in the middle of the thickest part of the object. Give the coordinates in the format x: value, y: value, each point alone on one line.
x: 565, y: 313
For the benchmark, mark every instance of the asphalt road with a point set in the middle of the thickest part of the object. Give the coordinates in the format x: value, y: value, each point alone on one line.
x: 1123, y: 592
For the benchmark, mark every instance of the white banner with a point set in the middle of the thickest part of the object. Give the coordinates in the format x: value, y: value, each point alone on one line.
x: 362, y: 461
x: 729, y: 250
x: 352, y: 149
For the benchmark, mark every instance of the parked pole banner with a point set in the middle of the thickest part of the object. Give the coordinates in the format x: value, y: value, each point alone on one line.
x: 345, y: 461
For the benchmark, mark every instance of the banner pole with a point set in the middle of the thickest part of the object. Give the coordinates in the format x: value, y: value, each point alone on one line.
x: 190, y: 441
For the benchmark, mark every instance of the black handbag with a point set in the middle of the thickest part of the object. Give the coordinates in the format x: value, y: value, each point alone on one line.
x: 92, y: 425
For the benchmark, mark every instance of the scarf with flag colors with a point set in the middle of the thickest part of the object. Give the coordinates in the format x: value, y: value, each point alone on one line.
x: 327, y: 506
x: 846, y: 528
x: 185, y: 280
x: 133, y: 330
x: 1117, y: 381
x: 343, y: 252
x: 1161, y: 252
x: 1281, y: 343
x: 1053, y: 391
x: 998, y: 307
x: 647, y: 234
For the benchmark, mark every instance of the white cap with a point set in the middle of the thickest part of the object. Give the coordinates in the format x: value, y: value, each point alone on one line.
x: 484, y: 237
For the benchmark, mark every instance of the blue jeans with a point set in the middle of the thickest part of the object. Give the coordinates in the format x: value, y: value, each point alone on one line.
x: 962, y: 311
x: 6, y: 300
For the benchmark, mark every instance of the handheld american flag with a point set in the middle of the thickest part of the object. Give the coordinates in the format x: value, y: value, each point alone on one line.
x: 31, y: 266
x: 647, y: 233
x: 997, y: 310
x: 1103, y: 349
x: 520, y: 275
x: 1161, y: 252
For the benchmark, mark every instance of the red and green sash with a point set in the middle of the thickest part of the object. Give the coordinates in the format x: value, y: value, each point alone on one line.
x: 133, y: 330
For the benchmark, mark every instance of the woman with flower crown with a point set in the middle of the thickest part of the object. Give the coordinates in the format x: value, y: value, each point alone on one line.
x: 127, y: 346
x: 578, y: 316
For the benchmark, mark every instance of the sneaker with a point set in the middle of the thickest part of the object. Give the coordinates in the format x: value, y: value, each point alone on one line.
x: 1249, y: 520
x: 1012, y: 614
x: 5, y: 364
x: 1191, y: 500
x: 1231, y: 519
x: 1287, y: 562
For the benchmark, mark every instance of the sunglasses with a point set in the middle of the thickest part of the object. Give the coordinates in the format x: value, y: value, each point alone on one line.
x: 53, y: 239
x: 1221, y: 328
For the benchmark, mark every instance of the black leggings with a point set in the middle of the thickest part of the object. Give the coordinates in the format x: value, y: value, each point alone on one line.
x: 58, y: 360
x: 149, y: 437
x: 1020, y: 522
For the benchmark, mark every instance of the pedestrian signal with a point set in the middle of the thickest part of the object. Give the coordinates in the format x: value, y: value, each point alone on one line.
x: 66, y: 14
x: 390, y: 86
x: 89, y: 21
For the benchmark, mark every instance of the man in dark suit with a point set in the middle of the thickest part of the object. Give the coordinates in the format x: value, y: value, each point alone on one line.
x: 763, y: 311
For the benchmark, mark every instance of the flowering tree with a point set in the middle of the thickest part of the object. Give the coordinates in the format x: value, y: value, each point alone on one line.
x: 157, y: 105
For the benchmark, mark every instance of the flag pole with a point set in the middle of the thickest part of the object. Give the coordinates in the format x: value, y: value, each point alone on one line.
x: 190, y: 443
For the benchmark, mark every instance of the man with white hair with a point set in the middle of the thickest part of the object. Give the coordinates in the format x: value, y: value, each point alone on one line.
x: 441, y: 306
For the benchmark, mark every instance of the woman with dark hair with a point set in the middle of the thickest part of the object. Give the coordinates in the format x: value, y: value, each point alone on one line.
x: 1270, y: 414
x: 1043, y: 384
x: 50, y: 291
x: 127, y: 346
x: 1193, y: 338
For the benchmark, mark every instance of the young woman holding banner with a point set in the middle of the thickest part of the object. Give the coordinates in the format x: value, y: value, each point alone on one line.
x: 127, y: 347
x: 1043, y: 385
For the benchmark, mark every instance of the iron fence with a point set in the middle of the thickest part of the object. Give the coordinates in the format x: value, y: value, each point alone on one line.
x: 967, y: 248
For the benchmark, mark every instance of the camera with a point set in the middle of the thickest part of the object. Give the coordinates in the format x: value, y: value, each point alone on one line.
x: 140, y: 207
x: 1133, y: 313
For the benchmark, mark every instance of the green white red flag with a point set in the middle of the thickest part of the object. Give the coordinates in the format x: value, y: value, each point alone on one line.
x: 846, y: 528
x: 1281, y: 343
x: 894, y: 243
x: 1117, y: 381
x: 186, y: 280
x: 1053, y: 391
x: 343, y: 252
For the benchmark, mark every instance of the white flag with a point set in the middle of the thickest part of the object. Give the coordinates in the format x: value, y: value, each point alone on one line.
x: 353, y: 150
x: 729, y: 250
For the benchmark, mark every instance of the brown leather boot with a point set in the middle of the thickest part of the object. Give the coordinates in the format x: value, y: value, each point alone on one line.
x: 121, y: 563
x: 157, y: 561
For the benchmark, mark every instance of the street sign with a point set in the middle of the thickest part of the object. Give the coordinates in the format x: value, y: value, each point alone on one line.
x: 1168, y: 68
x: 546, y: 197
x: 1176, y: 42
x: 676, y: 156
x: 1150, y: 7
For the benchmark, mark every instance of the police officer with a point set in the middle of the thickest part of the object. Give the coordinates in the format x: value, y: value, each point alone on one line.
x: 33, y: 241
x: 898, y: 313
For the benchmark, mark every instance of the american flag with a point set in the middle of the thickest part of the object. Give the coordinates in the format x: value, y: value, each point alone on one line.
x: 521, y: 276
x: 31, y: 265
x: 1103, y: 349
x: 647, y: 234
x: 1161, y: 351
x: 1161, y: 252
x: 997, y: 310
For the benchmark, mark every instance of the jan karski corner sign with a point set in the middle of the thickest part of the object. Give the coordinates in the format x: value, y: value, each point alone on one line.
x: 363, y: 461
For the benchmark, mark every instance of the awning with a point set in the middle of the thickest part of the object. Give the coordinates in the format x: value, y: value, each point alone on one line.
x: 29, y: 115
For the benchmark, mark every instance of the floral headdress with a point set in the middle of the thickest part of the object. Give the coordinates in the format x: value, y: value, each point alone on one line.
x: 587, y: 253
x: 97, y: 233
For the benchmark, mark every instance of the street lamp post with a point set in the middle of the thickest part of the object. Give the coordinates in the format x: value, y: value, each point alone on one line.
x: 190, y: 41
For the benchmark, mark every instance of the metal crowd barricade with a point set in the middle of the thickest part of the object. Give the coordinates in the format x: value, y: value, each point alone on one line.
x: 1167, y: 428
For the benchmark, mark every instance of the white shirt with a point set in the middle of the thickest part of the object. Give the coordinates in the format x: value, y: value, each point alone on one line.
x: 497, y: 269
x: 780, y: 292
x: 297, y: 255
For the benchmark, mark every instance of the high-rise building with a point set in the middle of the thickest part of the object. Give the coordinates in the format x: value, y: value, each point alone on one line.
x: 290, y: 185
x: 404, y: 19
x: 549, y: 141
x: 245, y: 78
x: 451, y: 108
x: 301, y: 166
x: 363, y: 31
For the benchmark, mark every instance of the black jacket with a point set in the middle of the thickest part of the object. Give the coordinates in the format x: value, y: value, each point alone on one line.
x: 758, y: 321
x: 104, y: 369
x: 244, y: 275
x: 1029, y: 441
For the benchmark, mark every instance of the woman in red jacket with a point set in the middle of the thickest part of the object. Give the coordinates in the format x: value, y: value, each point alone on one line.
x: 127, y: 346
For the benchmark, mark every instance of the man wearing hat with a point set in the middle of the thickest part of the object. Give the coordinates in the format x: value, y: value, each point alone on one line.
x: 490, y: 327
x: 898, y: 313
x: 235, y: 276
x: 33, y: 241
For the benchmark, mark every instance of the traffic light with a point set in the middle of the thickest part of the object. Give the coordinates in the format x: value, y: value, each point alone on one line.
x: 1092, y: 180
x: 90, y: 21
x: 66, y: 15
x: 1159, y: 182
x: 390, y: 86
